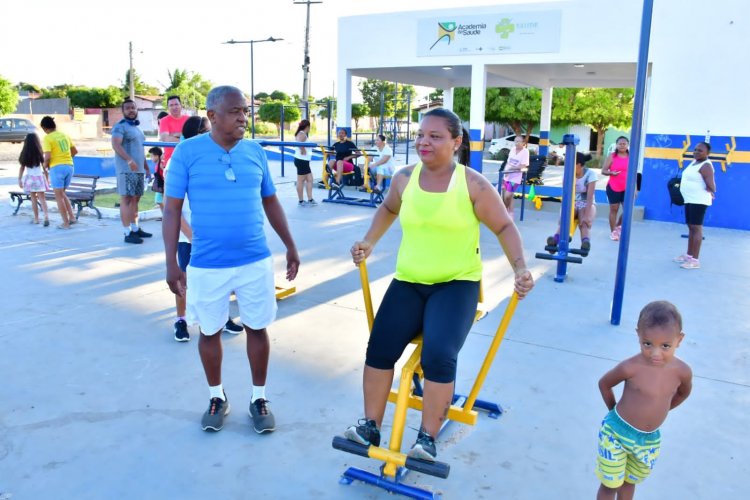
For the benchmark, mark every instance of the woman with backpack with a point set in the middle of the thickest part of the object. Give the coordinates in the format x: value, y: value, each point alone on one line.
x: 698, y: 188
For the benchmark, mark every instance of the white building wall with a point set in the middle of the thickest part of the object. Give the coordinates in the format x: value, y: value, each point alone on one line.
x: 587, y: 36
x: 696, y: 49
x: 701, y: 67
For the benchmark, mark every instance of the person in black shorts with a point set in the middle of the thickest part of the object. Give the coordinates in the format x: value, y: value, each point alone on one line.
x: 302, y: 157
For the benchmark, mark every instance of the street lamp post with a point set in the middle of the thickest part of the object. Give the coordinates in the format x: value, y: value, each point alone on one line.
x: 252, y: 83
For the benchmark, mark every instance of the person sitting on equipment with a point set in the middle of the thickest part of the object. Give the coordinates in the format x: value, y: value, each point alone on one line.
x: 584, y: 210
x: 440, y: 204
x: 383, y: 166
x: 346, y: 150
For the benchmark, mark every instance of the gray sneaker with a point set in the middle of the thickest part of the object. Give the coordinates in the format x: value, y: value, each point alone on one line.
x: 213, y: 419
x: 263, y: 419
x: 424, y: 448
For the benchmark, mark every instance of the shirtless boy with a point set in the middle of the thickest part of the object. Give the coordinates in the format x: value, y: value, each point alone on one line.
x: 655, y: 382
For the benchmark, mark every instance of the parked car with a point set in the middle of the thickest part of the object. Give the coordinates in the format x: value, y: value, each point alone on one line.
x: 15, y: 129
x: 508, y: 143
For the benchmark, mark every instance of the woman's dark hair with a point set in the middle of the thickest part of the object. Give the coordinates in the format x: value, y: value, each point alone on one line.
x: 381, y: 137
x: 464, y: 150
x: 618, y: 140
x: 49, y: 123
x: 156, y: 150
x: 195, y: 125
x: 453, y: 122
x: 31, y: 153
x: 303, y: 124
x: 161, y: 115
x: 708, y: 146
x: 582, y: 158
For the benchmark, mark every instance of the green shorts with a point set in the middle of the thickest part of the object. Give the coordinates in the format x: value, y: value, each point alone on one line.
x: 625, y: 453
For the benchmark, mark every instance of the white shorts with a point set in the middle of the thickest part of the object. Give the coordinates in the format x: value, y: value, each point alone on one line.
x: 209, y: 290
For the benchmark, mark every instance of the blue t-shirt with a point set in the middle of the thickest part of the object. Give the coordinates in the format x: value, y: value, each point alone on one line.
x: 227, y: 217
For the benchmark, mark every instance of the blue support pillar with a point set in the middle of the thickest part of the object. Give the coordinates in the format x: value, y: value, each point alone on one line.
x: 477, y: 149
x: 635, y: 139
x: 568, y: 194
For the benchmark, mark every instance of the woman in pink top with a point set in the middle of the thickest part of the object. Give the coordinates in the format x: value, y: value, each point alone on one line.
x: 518, y: 162
x: 616, y: 167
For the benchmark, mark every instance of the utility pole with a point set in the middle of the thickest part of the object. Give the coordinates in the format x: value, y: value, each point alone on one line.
x: 306, y: 62
x: 130, y: 73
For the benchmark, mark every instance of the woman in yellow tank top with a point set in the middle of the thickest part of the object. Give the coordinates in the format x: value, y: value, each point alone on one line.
x: 440, y: 204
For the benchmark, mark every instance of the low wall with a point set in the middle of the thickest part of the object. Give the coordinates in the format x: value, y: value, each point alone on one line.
x: 88, y: 128
x: 667, y: 154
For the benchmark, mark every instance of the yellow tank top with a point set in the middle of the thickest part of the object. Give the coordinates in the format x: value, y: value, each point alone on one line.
x: 440, y: 233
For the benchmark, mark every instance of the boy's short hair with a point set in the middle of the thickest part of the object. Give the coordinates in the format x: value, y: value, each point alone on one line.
x: 659, y: 313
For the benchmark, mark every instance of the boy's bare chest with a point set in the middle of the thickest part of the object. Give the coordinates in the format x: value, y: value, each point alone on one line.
x: 654, y: 383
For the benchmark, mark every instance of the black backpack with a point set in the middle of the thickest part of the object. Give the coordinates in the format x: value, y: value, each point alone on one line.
x: 675, y: 196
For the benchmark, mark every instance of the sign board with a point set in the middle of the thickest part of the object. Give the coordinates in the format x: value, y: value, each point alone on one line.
x: 78, y: 114
x: 490, y: 34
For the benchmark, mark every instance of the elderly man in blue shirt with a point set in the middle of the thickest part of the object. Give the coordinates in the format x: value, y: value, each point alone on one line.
x: 229, y: 186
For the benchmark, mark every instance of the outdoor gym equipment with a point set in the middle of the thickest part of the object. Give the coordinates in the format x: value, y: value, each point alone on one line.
x: 562, y: 251
x: 336, y: 191
x: 396, y: 464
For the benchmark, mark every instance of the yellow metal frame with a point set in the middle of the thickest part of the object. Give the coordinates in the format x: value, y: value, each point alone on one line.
x: 404, y: 396
x: 365, y: 175
x: 283, y: 292
x: 573, y: 225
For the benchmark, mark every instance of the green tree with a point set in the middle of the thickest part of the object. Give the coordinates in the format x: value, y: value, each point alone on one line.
x: 139, y: 86
x: 262, y: 96
x: 57, y: 91
x: 191, y: 87
x: 94, y: 97
x: 434, y: 96
x: 374, y: 92
x: 603, y: 108
x: 271, y: 112
x: 323, y: 112
x: 278, y: 95
x: 359, y: 111
x: 8, y: 96
x: 29, y: 87
x: 518, y: 108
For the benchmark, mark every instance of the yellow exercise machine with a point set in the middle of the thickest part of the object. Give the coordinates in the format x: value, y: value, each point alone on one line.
x: 336, y: 192
x: 284, y: 292
x: 409, y: 395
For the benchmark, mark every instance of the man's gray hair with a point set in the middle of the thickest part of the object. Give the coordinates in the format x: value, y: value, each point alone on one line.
x: 217, y: 94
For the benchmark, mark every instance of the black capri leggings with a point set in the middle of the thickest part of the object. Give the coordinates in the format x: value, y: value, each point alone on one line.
x: 443, y: 312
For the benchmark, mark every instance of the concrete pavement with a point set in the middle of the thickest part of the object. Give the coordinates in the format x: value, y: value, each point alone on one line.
x: 99, y: 401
